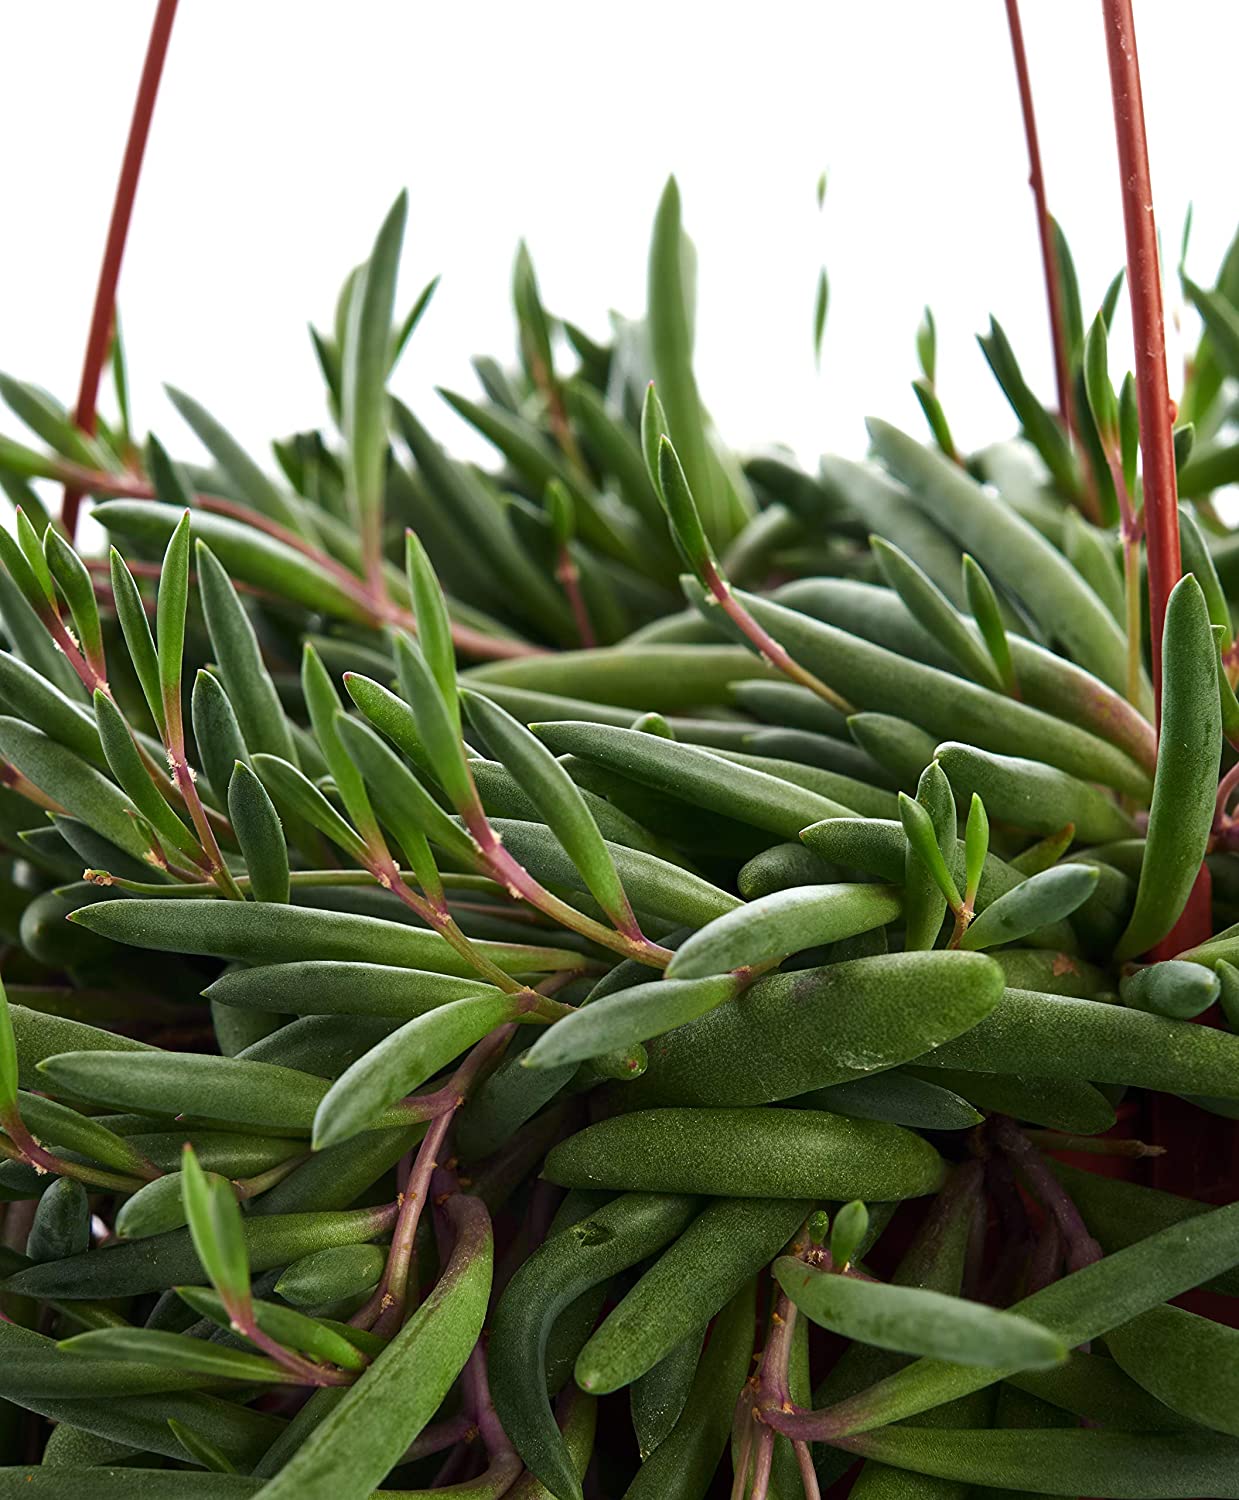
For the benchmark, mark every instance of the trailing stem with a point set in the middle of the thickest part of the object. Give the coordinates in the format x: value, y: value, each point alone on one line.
x: 378, y: 611
x: 768, y: 648
x: 1036, y: 180
x: 384, y: 1312
x: 104, y: 313
x: 1161, y: 514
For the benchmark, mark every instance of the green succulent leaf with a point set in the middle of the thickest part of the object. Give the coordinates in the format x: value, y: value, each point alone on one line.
x: 1035, y: 903
x: 847, y: 1233
x: 366, y: 360
x: 260, y: 834
x: 914, y: 1321
x: 214, y: 1219
x: 404, y: 1061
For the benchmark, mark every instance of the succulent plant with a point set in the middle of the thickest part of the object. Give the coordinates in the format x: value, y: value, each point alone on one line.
x: 502, y: 964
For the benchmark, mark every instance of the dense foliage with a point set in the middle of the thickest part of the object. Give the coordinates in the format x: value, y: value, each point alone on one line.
x: 636, y: 953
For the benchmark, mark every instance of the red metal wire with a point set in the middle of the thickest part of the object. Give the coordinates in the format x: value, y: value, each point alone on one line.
x: 122, y: 208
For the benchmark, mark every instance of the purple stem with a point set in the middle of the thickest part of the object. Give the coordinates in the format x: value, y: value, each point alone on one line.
x: 385, y: 1310
x: 808, y: 1474
x: 1082, y: 1248
x: 440, y: 1436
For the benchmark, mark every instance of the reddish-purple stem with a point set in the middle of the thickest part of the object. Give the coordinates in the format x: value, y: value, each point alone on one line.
x: 771, y: 650
x: 1161, y: 509
x: 384, y: 1312
x: 103, y: 315
x: 568, y: 576
x: 1082, y: 1248
x: 1036, y: 180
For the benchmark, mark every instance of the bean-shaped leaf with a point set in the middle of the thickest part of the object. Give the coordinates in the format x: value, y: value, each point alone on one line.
x: 1077, y: 1308
x: 685, y: 520
x: 694, y: 775
x: 655, y: 886
x: 730, y: 1241
x: 834, y: 1024
x: 404, y: 1061
x: 557, y: 799
x: 898, y: 1097
x: 1001, y: 540
x: 986, y: 611
x: 365, y: 361
x: 1185, y: 784
x: 38, y: 1373
x: 332, y: 1275
x: 581, y: 1253
x: 66, y: 1128
x: 913, y: 1321
x: 1057, y: 1036
x: 136, y: 629
x: 76, y: 787
x: 125, y: 763
x: 44, y: 415
x: 785, y: 922
x: 28, y: 540
x: 684, y: 1463
x: 217, y: 732
x: 136, y: 1423
x: 264, y: 932
x: 214, y: 1362
x: 434, y: 628
x: 404, y: 805
x: 154, y: 1209
x: 749, y: 1153
x: 171, y: 602
x: 1061, y: 1461
x: 61, y: 1224
x: 249, y: 554
x: 619, y: 1021
x: 70, y: 573
x: 166, y: 1260
x: 1168, y: 1350
x: 291, y: 1328
x: 656, y: 1399
x: 1033, y: 795
x: 32, y: 697
x: 241, y: 1090
x: 847, y: 1233
x: 976, y: 848
x: 927, y: 603
x: 214, y: 1218
x: 1198, y: 560
x: 293, y: 789
x: 364, y: 1435
x: 323, y: 704
x: 1069, y: 719
x: 260, y: 834
x: 436, y: 725
x: 332, y: 988
x: 654, y: 678
x: 1174, y: 988
x: 1033, y: 904
x: 9, y: 1070
x: 670, y: 315
x: 929, y: 881
x: 239, y: 661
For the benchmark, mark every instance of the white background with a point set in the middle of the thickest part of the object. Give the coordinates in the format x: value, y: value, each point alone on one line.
x: 284, y: 128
